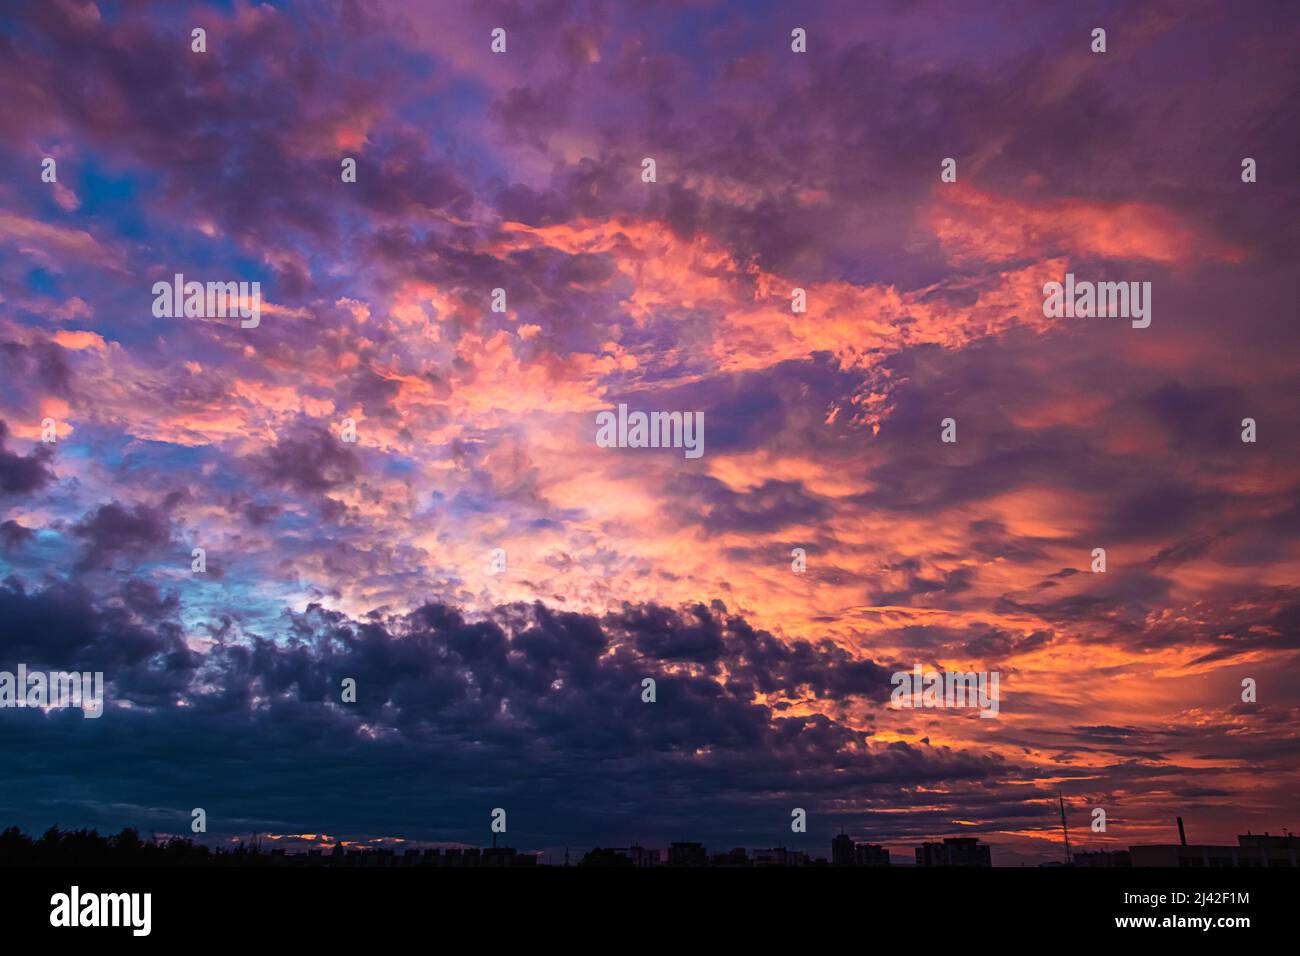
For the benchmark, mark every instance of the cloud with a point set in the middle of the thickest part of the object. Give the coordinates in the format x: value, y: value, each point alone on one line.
x: 13, y: 535
x: 309, y: 460
x: 549, y: 694
x: 115, y: 532
x: 475, y: 428
x: 23, y: 474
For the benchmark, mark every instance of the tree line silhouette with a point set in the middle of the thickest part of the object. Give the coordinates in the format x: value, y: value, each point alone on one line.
x: 85, y: 847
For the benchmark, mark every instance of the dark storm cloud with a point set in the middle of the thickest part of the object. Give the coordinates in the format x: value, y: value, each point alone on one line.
x: 64, y: 627
x: 373, y: 392
x: 916, y: 584
x: 112, y: 532
x: 770, y: 506
x: 310, y: 459
x: 659, y: 634
x: 23, y: 474
x: 41, y: 362
x: 534, y: 709
x: 1270, y: 622
x: 991, y: 539
x: 1118, y: 603
x: 13, y: 535
x: 255, y: 513
x: 1001, y: 645
x: 131, y: 84
x: 760, y: 663
x: 147, y: 601
x: 399, y: 176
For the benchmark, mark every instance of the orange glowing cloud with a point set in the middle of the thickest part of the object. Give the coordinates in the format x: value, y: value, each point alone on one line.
x: 978, y: 226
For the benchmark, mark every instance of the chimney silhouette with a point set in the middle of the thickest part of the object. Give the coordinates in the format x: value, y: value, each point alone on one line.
x: 1182, y: 837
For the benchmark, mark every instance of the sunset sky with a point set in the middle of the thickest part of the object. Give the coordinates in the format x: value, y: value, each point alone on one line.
x: 476, y: 430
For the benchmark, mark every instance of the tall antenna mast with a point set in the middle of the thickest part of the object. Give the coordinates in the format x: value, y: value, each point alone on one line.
x: 1065, y: 829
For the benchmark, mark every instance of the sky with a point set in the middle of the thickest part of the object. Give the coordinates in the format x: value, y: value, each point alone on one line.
x: 480, y: 687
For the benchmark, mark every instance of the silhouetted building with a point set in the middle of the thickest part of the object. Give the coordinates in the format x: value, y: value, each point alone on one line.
x: 638, y: 855
x: 735, y: 857
x: 89, y: 846
x: 780, y: 856
x: 842, y: 850
x: 687, y: 854
x: 870, y: 854
x: 1251, y: 850
x: 1272, y: 850
x: 1102, y: 858
x: 954, y: 851
x: 845, y: 852
x: 499, y: 856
